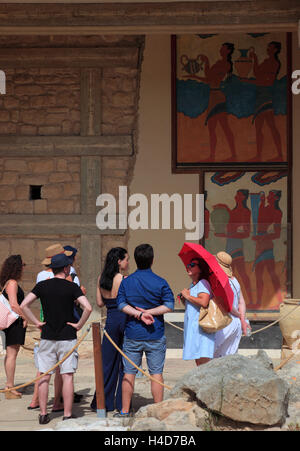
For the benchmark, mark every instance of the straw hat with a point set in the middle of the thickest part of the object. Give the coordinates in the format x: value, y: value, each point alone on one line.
x: 225, y: 261
x: 55, y: 249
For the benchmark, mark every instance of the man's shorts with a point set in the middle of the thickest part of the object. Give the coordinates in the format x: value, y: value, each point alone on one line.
x: 50, y: 352
x: 155, y: 351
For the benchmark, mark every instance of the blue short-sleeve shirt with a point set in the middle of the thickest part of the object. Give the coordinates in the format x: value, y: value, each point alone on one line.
x: 146, y: 290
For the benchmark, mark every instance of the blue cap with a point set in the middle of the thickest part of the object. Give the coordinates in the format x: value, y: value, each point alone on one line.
x: 71, y: 249
x: 59, y: 261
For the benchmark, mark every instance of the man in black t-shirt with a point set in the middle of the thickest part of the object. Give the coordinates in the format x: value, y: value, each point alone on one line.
x: 58, y: 331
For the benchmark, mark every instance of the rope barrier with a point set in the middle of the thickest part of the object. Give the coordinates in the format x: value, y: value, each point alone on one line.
x: 256, y: 331
x: 277, y: 321
x: 132, y: 363
x: 56, y: 365
x: 51, y: 369
x: 129, y: 360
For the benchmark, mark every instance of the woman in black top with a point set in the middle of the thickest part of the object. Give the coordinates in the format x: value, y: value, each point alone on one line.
x: 107, y: 290
x: 10, y: 275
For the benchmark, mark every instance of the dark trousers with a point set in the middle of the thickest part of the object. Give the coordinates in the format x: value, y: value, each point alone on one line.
x: 112, y: 361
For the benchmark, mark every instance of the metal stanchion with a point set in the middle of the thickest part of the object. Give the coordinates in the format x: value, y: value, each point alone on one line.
x: 101, y: 411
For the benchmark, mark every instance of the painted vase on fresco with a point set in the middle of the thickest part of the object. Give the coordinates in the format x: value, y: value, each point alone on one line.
x: 191, y: 66
x: 289, y: 327
x: 219, y: 218
x: 243, y: 64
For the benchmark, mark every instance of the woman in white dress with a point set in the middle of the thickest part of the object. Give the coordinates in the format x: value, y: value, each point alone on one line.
x: 228, y: 339
x: 197, y: 344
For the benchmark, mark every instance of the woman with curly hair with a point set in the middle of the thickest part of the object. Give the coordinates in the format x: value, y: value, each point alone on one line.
x: 10, y: 275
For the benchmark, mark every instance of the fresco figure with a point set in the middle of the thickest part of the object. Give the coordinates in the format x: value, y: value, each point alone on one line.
x: 238, y: 228
x: 268, y: 230
x: 217, y: 113
x: 265, y: 75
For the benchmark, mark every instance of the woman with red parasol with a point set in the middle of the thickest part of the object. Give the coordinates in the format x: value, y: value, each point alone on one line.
x: 197, y: 344
x: 208, y: 281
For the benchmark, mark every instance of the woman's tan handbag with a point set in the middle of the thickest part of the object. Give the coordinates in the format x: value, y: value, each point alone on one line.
x: 213, y: 318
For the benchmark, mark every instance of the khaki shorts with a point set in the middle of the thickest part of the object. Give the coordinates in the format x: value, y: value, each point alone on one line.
x: 51, y: 352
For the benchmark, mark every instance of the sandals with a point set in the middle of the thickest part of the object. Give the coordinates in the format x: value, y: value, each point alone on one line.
x: 70, y: 417
x: 12, y: 394
x: 33, y: 407
x: 44, y: 419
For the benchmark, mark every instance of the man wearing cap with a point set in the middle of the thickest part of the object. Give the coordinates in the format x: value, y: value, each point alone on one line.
x: 73, y: 274
x: 46, y: 274
x: 59, y: 329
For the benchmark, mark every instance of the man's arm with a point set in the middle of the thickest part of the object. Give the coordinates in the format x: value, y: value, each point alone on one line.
x: 139, y: 314
x: 25, y: 307
x: 156, y: 311
x: 167, y: 306
x: 146, y: 318
x: 87, y: 310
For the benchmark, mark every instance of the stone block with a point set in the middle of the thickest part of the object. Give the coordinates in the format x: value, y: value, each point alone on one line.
x: 24, y: 247
x: 29, y: 130
x: 71, y: 189
x: 52, y: 130
x: 10, y: 102
x: 32, y: 116
x: 7, y: 128
x: 52, y: 191
x: 4, y: 115
x: 61, y: 164
x: 57, y: 177
x: 40, y: 206
x: 28, y: 90
x: 7, y: 193
x: 122, y: 99
x: 41, y: 166
x: 42, y: 101
x: 22, y: 192
x: 4, y: 249
x: 115, y: 163
x: 15, y: 164
x: 23, y: 79
x: 37, y: 179
x: 20, y: 206
x: 61, y: 207
x: 9, y: 178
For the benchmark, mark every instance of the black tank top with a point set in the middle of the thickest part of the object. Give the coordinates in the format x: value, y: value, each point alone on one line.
x: 20, y: 295
x: 110, y: 303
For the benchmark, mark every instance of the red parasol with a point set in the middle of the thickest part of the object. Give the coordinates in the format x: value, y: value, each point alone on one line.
x: 218, y: 278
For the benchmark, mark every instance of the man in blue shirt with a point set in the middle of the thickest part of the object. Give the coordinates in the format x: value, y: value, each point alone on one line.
x: 144, y: 297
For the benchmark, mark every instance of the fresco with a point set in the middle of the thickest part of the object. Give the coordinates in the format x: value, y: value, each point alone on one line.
x: 231, y: 99
x: 246, y: 215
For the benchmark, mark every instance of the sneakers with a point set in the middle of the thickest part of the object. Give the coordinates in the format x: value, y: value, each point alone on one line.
x: 122, y: 414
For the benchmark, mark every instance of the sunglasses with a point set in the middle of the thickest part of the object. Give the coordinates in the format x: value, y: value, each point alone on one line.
x: 192, y: 265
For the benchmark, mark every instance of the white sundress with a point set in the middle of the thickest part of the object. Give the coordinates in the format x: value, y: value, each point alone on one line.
x: 228, y: 339
x: 197, y: 343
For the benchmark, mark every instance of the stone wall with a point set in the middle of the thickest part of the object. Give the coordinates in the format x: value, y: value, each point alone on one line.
x: 41, y: 102
x: 59, y: 179
x: 65, y: 102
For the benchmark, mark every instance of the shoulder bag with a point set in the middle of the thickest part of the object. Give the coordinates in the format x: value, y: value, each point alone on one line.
x: 213, y: 318
x: 7, y: 315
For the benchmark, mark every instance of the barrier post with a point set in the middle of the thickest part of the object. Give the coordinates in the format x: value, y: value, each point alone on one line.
x: 101, y: 412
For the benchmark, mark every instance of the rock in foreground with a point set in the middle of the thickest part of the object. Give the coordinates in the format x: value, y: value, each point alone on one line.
x: 240, y: 388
